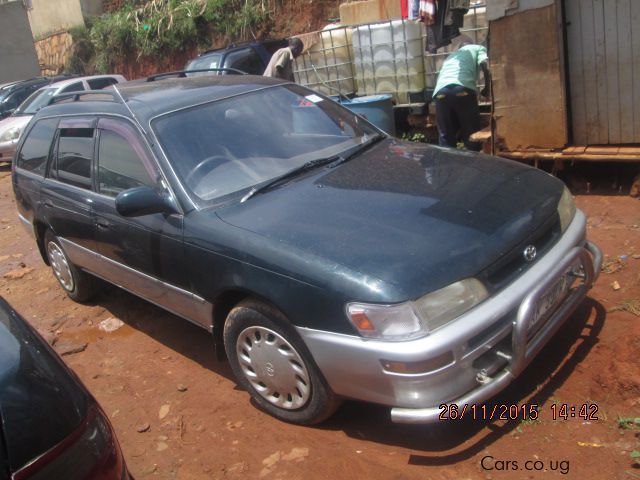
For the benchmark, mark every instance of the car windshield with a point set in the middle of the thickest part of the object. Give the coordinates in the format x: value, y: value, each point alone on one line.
x: 36, y: 101
x: 223, y: 149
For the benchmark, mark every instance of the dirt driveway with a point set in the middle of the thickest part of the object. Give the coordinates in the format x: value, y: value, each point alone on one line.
x: 178, y: 412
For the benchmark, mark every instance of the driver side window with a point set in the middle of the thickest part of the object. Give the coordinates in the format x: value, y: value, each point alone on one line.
x: 123, y: 162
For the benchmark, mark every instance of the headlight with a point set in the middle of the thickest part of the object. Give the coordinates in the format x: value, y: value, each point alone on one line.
x: 10, y: 134
x: 416, y: 319
x: 566, y: 209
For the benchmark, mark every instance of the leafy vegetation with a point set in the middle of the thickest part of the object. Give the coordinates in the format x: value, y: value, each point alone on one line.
x: 414, y: 137
x: 626, y: 423
x: 157, y: 29
x: 630, y: 422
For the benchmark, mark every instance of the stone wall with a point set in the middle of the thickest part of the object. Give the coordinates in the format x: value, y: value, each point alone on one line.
x: 53, y: 52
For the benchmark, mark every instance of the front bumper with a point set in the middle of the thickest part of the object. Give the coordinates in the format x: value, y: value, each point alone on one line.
x: 471, y: 359
x: 8, y: 150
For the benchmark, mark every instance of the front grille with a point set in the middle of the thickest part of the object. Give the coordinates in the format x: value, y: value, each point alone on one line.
x: 513, y: 264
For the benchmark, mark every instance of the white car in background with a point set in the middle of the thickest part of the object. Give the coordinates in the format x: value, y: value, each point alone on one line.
x: 11, y: 127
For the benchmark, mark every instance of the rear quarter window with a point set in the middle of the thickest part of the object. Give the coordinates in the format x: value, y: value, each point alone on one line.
x: 37, y: 145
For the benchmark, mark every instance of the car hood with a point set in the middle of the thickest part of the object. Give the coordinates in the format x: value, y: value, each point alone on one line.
x: 414, y: 216
x: 10, y: 122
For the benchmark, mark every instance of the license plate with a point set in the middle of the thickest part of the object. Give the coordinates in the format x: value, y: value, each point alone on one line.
x: 550, y: 300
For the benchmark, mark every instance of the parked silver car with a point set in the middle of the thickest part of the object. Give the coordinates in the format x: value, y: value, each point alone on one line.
x: 12, y: 127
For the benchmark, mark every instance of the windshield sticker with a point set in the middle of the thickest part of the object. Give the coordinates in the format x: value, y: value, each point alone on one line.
x: 313, y: 98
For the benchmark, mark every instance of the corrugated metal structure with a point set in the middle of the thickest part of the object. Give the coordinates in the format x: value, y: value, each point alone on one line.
x: 604, y: 68
x: 566, y: 83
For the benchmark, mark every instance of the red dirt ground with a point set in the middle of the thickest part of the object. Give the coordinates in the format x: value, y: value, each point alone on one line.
x: 159, y: 373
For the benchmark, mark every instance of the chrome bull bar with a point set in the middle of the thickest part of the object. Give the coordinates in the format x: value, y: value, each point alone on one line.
x: 524, y: 349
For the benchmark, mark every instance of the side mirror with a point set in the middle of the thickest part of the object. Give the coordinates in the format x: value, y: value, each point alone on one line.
x: 139, y: 201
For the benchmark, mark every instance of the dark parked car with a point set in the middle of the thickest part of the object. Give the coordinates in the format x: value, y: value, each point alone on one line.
x: 14, y: 93
x: 328, y: 259
x: 251, y: 58
x: 50, y: 425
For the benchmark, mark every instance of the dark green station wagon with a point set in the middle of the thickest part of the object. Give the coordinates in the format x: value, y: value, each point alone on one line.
x: 327, y: 259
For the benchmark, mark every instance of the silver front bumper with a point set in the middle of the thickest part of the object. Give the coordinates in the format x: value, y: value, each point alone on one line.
x: 483, y: 350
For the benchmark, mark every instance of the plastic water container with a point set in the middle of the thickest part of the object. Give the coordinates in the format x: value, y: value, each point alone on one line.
x: 328, y: 64
x: 377, y: 109
x: 388, y: 58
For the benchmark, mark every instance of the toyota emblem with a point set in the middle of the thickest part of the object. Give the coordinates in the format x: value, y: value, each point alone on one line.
x: 530, y: 253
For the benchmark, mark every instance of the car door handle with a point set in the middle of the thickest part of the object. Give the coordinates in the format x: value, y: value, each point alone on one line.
x: 48, y: 203
x: 103, y: 225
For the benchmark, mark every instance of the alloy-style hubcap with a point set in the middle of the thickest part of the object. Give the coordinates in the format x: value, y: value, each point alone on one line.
x: 273, y: 367
x: 60, y: 266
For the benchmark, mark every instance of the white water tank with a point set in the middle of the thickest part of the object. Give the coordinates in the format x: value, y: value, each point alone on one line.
x: 388, y: 58
x: 327, y: 66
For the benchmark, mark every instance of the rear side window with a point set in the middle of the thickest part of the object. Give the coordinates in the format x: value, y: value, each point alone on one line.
x: 100, y: 83
x: 75, y: 155
x: 74, y: 87
x: 246, y: 60
x: 35, y: 150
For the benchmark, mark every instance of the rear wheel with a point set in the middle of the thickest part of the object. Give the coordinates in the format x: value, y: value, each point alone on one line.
x: 271, y: 362
x: 79, y: 285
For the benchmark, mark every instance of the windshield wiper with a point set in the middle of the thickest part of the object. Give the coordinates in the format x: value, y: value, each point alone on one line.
x: 359, y: 149
x: 305, y: 167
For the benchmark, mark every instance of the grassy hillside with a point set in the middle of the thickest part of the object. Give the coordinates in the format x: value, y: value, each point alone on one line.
x: 139, y: 38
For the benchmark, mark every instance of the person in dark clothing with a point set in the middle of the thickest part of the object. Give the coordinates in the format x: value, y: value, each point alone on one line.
x: 455, y: 94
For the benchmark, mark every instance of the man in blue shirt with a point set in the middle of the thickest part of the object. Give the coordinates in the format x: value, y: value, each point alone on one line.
x: 455, y: 94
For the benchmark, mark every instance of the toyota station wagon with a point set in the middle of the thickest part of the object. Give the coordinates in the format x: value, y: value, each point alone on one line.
x: 327, y: 259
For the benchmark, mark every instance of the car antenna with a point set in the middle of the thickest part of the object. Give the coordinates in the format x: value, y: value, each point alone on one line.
x: 130, y: 111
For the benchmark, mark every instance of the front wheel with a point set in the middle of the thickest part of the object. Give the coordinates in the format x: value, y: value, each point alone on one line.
x: 79, y: 285
x: 271, y: 362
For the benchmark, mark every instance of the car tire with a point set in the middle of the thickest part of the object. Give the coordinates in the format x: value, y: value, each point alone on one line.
x: 272, y: 363
x: 79, y: 285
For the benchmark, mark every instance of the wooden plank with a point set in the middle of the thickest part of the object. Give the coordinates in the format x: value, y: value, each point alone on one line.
x: 602, y: 150
x: 529, y: 96
x: 576, y: 74
x: 369, y: 11
x: 611, y: 62
x: 574, y: 150
x: 629, y: 151
x: 635, y: 42
x: 625, y: 70
x: 591, y: 121
x: 600, y: 98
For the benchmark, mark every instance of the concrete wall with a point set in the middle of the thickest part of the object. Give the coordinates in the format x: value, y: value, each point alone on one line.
x: 52, y: 16
x: 17, y: 55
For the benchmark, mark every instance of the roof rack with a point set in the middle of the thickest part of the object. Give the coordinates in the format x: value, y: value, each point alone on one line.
x: 226, y: 47
x: 75, y: 96
x: 268, y: 41
x: 183, y: 73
